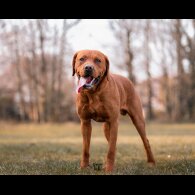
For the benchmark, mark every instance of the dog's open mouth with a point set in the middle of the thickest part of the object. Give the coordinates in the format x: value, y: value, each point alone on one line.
x: 86, y: 83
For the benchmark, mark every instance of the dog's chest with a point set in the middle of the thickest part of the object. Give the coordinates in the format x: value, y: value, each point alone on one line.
x: 93, y: 108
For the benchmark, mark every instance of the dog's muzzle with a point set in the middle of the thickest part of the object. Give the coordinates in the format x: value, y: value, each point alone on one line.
x: 87, y: 83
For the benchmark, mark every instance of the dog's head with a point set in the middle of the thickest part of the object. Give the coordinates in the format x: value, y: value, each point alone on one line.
x: 91, y: 67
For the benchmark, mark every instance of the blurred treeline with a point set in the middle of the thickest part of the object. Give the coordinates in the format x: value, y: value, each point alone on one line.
x: 37, y: 86
x: 35, y: 64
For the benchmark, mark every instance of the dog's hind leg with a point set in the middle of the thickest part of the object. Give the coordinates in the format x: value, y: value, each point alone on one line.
x: 136, y: 114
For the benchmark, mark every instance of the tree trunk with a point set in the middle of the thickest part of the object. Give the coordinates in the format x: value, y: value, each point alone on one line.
x: 35, y: 75
x: 180, y: 108
x: 60, y: 69
x: 53, y: 102
x: 129, y: 56
x: 44, y: 69
x: 166, y: 89
x: 191, y: 102
x: 19, y: 77
x: 150, y: 113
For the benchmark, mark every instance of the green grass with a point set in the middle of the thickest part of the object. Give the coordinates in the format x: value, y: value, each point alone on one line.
x: 56, y: 149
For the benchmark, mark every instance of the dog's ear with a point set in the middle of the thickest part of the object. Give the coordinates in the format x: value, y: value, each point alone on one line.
x: 73, y: 63
x: 107, y: 66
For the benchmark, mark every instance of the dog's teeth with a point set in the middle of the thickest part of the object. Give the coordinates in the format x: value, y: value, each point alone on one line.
x: 92, y: 81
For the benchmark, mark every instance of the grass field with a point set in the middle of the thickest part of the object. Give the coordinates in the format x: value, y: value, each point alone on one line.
x: 56, y: 149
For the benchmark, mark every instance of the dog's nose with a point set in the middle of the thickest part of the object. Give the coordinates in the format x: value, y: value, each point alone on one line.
x: 88, y: 68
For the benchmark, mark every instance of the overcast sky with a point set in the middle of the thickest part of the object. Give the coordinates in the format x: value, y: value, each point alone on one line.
x: 92, y: 34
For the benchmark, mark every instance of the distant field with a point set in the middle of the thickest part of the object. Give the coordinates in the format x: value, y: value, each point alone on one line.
x: 56, y: 149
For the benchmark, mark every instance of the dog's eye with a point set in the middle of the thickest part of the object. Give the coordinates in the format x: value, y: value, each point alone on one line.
x: 97, y: 60
x: 82, y: 59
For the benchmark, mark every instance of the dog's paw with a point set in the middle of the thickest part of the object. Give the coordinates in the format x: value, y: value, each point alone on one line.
x: 84, y: 165
x: 109, y: 168
x: 151, y: 164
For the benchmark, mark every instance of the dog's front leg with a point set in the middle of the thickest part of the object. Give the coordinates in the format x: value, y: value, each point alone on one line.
x: 86, y: 133
x: 113, y: 126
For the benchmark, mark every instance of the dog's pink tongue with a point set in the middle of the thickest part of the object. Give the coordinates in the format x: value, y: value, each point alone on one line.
x: 82, y: 81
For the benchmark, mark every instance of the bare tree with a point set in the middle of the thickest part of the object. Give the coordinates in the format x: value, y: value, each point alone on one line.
x: 123, y: 30
x: 34, y: 74
x: 17, y: 63
x: 38, y: 63
x: 41, y: 25
x: 147, y: 53
x: 165, y: 50
x: 61, y: 63
x: 181, y: 84
x: 190, y: 56
x: 54, y: 67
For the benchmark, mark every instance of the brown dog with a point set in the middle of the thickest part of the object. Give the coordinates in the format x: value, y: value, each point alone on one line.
x: 102, y: 97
